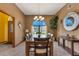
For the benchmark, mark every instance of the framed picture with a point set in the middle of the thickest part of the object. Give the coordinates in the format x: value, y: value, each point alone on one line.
x: 71, y: 21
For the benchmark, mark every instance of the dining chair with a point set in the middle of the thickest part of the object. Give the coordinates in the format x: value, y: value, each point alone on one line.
x: 41, y: 46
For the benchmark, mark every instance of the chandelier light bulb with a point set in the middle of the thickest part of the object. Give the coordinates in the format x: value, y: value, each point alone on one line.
x: 40, y: 17
x: 36, y: 17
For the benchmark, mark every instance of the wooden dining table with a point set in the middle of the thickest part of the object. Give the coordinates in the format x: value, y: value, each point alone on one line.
x: 30, y: 44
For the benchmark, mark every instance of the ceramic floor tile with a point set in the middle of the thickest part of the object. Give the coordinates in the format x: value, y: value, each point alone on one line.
x: 7, y: 50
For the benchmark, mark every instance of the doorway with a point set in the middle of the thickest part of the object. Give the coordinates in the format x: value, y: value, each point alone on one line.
x: 11, y: 34
x: 7, y: 29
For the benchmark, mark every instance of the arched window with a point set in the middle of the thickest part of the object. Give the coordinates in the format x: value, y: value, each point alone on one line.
x: 39, y: 27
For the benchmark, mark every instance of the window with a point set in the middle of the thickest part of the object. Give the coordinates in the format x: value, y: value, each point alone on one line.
x: 39, y: 27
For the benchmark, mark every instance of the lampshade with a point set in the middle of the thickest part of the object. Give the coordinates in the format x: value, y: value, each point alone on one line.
x: 27, y: 30
x: 51, y: 35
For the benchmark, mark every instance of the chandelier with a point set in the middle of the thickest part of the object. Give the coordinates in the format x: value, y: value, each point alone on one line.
x: 39, y: 18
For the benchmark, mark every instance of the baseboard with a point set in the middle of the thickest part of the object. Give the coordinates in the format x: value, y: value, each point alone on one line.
x: 3, y: 42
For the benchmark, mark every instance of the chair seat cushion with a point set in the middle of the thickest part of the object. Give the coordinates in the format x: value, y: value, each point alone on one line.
x: 40, y: 50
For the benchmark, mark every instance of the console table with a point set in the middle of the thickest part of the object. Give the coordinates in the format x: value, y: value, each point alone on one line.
x: 30, y: 44
x: 72, y: 40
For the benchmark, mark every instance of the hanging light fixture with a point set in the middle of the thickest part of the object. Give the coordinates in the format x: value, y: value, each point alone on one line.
x: 39, y: 17
x: 39, y: 22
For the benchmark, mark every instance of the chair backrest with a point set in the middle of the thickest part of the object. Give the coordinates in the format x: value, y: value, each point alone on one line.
x: 41, y: 43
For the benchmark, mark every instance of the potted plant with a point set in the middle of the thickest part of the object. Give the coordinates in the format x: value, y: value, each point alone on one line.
x: 53, y: 25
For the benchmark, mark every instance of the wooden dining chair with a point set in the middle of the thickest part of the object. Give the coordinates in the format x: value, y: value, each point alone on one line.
x: 41, y: 46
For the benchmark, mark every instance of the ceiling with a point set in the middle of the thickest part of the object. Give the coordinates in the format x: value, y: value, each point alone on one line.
x: 40, y: 8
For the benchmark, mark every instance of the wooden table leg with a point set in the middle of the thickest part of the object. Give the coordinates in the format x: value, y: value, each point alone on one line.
x: 72, y: 48
x: 51, y: 49
x: 27, y: 51
x: 63, y: 43
x: 58, y: 41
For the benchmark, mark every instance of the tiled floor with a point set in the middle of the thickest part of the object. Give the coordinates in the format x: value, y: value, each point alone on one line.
x: 59, y: 51
x: 7, y: 50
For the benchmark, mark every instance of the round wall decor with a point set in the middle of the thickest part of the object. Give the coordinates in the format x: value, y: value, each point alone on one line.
x: 71, y: 21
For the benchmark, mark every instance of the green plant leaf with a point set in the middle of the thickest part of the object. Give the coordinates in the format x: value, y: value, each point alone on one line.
x: 53, y: 22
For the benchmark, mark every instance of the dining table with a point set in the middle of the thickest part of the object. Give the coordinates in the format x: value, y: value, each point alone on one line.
x: 30, y: 46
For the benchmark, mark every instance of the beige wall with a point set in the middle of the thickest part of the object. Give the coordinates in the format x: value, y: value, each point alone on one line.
x: 61, y: 14
x: 61, y: 30
x: 29, y: 20
x: 12, y: 10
